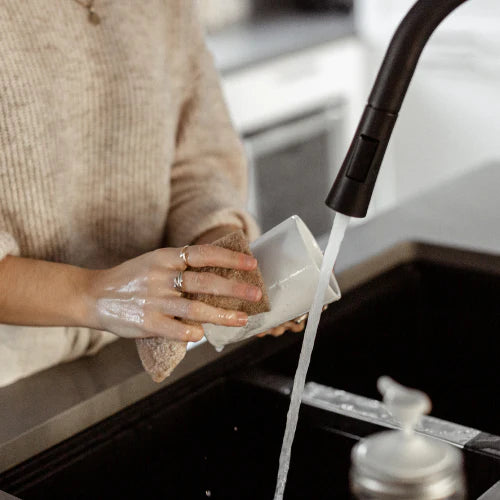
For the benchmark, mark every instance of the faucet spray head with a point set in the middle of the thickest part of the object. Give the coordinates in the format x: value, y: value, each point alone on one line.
x: 353, y: 188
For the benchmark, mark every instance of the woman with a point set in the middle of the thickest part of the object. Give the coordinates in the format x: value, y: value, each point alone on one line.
x: 115, y: 150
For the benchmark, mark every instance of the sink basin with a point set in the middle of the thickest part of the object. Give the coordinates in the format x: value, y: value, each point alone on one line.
x: 426, y: 316
x: 431, y: 321
x: 221, y: 442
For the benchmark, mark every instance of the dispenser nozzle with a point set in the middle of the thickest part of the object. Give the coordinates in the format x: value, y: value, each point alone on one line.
x: 405, y: 404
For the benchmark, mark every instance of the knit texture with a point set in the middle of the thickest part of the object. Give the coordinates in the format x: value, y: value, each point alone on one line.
x: 114, y: 139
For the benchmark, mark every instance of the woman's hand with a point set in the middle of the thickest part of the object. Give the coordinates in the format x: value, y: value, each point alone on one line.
x: 138, y: 298
x: 296, y: 325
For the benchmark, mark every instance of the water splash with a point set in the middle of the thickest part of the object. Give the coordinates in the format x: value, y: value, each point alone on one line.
x: 332, y: 249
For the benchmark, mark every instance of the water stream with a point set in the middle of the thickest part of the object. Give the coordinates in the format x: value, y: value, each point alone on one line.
x: 332, y: 249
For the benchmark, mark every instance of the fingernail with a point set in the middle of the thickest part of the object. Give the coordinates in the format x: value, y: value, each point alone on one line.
x: 193, y: 333
x: 242, y: 318
x: 253, y: 293
x: 250, y: 262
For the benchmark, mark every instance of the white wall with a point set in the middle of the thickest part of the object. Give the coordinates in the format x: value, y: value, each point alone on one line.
x: 377, y: 19
x: 450, y: 121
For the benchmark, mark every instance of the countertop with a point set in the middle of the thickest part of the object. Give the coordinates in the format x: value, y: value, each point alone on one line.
x: 258, y: 40
x: 463, y: 212
x: 47, y: 408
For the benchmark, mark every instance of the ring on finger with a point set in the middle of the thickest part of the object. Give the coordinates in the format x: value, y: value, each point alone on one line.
x: 184, y: 254
x: 300, y: 319
x: 179, y: 281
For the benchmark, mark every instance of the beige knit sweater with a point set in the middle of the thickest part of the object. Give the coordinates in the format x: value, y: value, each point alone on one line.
x: 114, y: 140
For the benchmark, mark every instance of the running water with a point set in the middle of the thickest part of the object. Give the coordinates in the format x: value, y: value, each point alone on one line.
x: 332, y: 249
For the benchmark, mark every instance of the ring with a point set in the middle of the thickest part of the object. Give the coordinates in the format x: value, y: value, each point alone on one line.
x: 300, y: 319
x: 179, y: 281
x: 184, y: 254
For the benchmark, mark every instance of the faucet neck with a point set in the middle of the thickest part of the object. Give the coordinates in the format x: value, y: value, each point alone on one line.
x: 404, y: 52
x: 352, y: 190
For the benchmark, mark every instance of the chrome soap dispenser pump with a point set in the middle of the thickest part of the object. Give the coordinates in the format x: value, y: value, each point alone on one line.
x: 402, y: 464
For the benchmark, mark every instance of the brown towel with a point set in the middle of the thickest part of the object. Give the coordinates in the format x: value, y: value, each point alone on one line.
x: 160, y: 356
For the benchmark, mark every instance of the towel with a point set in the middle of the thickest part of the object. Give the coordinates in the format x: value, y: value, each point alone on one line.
x: 160, y: 356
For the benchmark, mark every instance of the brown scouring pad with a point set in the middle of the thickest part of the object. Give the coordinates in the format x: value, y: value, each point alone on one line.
x: 237, y: 242
x: 160, y: 356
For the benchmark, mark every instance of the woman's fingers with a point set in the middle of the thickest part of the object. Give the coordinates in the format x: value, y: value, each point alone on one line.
x: 275, y: 332
x: 280, y: 330
x: 203, y: 313
x: 209, y: 255
x: 206, y: 255
x: 161, y: 325
x: 296, y: 327
x: 212, y: 284
x: 162, y: 320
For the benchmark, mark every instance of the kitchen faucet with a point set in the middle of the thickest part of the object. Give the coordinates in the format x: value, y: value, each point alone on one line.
x: 353, y: 187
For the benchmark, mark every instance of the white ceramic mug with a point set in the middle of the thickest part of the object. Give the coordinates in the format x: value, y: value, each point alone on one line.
x: 290, y: 260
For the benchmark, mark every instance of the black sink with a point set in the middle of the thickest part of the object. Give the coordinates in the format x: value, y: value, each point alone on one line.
x: 429, y: 320
x: 220, y: 442
x: 432, y: 322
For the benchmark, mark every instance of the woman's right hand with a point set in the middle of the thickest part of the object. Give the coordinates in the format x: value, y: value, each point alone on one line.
x: 138, y: 298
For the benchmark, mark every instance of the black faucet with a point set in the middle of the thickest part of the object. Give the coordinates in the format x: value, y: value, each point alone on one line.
x: 353, y: 187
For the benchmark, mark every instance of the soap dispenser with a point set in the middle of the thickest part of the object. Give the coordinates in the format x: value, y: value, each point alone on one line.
x: 402, y: 464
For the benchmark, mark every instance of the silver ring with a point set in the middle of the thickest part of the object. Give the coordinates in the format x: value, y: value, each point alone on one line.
x: 300, y: 319
x: 184, y: 254
x: 179, y: 281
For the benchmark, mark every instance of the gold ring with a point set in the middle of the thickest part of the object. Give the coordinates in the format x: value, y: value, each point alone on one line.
x: 179, y: 281
x: 184, y: 254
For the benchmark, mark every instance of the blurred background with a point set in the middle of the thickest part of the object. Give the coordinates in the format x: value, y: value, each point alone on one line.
x: 296, y: 75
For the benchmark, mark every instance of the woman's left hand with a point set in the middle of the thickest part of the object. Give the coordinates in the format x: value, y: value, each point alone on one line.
x: 296, y: 325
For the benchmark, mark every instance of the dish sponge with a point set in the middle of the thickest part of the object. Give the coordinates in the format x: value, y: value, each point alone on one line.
x: 159, y: 355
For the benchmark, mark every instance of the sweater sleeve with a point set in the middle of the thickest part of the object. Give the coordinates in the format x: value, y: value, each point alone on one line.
x: 209, y: 173
x: 8, y: 245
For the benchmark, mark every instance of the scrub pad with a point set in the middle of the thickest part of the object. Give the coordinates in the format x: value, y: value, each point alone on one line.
x: 237, y: 242
x: 160, y: 356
